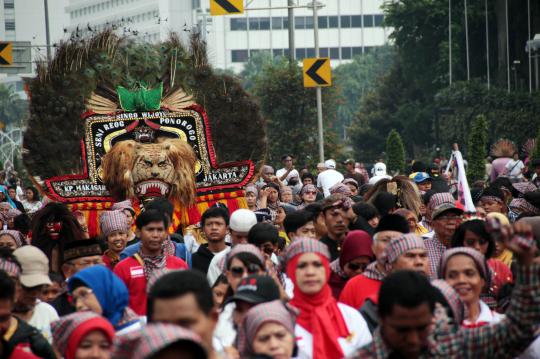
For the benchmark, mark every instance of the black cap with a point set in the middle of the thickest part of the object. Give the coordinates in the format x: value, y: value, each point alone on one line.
x: 393, y: 222
x: 256, y: 289
x: 81, y: 248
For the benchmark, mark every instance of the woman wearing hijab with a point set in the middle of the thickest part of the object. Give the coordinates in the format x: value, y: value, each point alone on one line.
x: 356, y: 255
x: 83, y: 335
x: 466, y: 270
x: 325, y: 328
x: 268, y: 329
x: 99, y: 290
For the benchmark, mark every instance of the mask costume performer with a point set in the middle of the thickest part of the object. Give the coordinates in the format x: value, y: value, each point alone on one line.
x: 144, y: 132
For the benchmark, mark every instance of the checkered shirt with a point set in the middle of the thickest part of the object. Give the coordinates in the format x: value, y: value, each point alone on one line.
x: 10, y: 267
x: 507, y: 339
x: 306, y: 245
x: 149, y: 340
x: 435, y: 252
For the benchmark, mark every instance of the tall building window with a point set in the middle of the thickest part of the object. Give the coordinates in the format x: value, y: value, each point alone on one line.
x: 277, y: 23
x: 238, y: 24
x: 239, y: 55
x: 10, y: 25
x: 323, y: 22
x: 9, y: 4
x: 346, y: 21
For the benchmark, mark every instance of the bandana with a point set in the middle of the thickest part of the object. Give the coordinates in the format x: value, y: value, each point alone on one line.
x: 400, y: 246
x: 521, y: 205
x: 308, y: 187
x: 340, y: 188
x: 491, y: 198
x: 477, y: 257
x: 10, y: 267
x: 16, y: 235
x: 453, y: 299
x: 271, y: 312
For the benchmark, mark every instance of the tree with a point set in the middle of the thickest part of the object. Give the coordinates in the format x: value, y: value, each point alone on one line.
x: 395, y: 152
x: 477, y: 149
x: 356, y: 79
x: 536, y: 151
x: 291, y: 113
x: 13, y: 110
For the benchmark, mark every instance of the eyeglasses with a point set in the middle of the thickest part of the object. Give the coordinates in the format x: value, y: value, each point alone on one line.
x: 83, y: 295
x: 310, y: 192
x: 238, y: 272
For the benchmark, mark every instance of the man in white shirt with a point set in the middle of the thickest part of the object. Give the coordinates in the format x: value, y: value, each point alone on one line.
x: 288, y: 171
x: 329, y: 177
x: 34, y: 275
x: 514, y: 167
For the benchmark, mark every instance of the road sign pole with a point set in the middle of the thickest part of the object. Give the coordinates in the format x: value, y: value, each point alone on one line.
x: 292, y: 50
x: 319, y: 94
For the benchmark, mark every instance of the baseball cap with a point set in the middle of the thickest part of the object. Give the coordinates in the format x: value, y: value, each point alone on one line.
x: 34, y: 265
x: 379, y: 169
x: 330, y: 164
x: 242, y: 220
x: 420, y: 177
x: 256, y: 289
x: 348, y: 161
x: 445, y: 207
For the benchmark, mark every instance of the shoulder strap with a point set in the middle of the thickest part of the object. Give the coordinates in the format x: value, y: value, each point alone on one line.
x: 138, y: 259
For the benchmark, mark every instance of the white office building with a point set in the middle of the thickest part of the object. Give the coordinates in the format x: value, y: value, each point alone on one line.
x: 22, y: 22
x: 346, y: 27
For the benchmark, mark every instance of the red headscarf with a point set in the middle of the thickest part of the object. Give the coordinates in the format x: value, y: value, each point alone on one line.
x: 319, y: 314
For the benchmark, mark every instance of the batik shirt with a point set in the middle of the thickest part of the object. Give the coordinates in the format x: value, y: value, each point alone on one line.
x: 507, y: 339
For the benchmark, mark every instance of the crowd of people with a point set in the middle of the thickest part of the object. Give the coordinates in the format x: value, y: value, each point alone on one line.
x: 326, y: 264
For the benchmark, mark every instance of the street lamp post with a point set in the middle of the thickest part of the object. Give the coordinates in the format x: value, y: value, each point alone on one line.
x: 316, y: 5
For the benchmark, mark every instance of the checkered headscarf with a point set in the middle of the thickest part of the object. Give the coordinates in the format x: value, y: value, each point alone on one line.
x: 306, y: 245
x: 142, y: 344
x: 247, y: 248
x: 308, y: 187
x: 476, y: 256
x: 16, y: 235
x: 111, y: 221
x: 399, y: 246
x: 64, y: 330
x: 453, y: 299
x: 275, y: 312
x: 521, y: 205
x: 11, y: 268
x: 120, y: 206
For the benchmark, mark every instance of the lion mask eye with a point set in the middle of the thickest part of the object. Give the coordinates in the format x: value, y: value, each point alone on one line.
x: 148, y: 163
x: 162, y: 164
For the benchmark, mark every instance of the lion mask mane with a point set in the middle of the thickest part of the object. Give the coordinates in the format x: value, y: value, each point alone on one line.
x: 148, y: 170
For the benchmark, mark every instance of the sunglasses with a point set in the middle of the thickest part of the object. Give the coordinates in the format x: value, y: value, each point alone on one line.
x: 310, y: 192
x: 356, y: 266
x: 238, y: 272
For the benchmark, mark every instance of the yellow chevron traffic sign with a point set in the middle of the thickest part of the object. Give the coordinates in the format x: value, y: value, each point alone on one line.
x: 226, y: 7
x: 317, y: 72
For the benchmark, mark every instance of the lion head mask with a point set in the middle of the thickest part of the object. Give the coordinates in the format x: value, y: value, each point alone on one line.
x: 165, y: 168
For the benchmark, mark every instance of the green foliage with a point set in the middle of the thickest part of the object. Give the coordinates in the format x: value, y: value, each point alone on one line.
x: 477, y: 149
x: 395, y: 153
x: 291, y: 114
x: 536, y: 151
x: 355, y: 79
x: 510, y: 115
x: 13, y: 110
